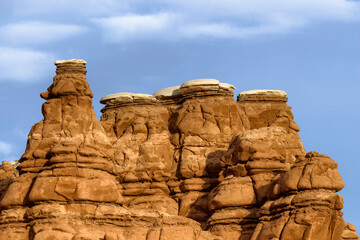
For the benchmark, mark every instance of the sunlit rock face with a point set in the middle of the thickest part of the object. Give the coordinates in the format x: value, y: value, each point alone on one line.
x: 187, y: 162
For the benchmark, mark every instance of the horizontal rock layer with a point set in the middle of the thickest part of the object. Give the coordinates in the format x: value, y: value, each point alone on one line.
x: 187, y: 162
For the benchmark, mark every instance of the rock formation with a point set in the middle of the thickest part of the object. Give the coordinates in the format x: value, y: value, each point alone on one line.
x: 187, y: 162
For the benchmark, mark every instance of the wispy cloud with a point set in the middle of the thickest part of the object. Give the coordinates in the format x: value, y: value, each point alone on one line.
x: 135, y: 26
x: 130, y: 20
x: 223, y: 19
x: 229, y: 30
x: 70, y: 9
x: 37, y: 33
x: 19, y: 58
x: 24, y: 65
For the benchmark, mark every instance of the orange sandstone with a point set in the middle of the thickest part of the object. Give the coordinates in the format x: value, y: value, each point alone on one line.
x: 187, y: 162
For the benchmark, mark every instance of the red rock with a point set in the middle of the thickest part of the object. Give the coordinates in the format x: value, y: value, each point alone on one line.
x: 185, y: 163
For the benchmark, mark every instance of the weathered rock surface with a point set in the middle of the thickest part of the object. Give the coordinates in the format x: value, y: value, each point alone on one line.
x: 187, y: 162
x: 7, y: 175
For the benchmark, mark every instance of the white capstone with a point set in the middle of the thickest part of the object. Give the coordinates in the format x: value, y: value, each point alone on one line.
x: 140, y: 96
x: 126, y: 97
x: 199, y: 82
x: 78, y: 61
x: 227, y: 86
x: 279, y: 93
x: 116, y: 95
x: 168, y: 92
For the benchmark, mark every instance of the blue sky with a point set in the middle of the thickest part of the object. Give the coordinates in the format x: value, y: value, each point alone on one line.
x: 309, y: 48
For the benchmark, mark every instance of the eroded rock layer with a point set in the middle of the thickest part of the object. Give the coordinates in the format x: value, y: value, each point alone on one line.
x: 187, y: 162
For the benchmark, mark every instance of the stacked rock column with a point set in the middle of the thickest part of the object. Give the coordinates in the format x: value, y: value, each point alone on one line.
x: 205, y: 123
x: 137, y: 125
x: 67, y: 170
x: 254, y: 160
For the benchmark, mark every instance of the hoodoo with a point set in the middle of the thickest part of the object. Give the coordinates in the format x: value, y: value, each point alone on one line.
x: 188, y: 162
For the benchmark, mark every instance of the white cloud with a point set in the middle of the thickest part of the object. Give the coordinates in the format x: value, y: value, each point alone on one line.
x: 306, y: 9
x: 33, y: 32
x: 224, y: 30
x: 129, y: 20
x: 224, y: 18
x: 5, y: 148
x: 24, y: 65
x: 135, y: 26
x: 69, y: 9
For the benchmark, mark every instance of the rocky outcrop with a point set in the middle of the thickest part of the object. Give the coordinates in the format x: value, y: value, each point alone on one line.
x: 8, y: 173
x: 266, y: 108
x: 305, y: 204
x: 168, y: 145
x: 254, y: 162
x: 187, y: 162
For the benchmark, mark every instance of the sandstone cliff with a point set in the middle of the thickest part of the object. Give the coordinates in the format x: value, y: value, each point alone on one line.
x: 188, y: 162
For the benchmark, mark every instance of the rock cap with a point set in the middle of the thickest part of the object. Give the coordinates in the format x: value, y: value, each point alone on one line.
x: 114, y: 96
x: 70, y: 61
x: 227, y: 86
x: 197, y: 82
x: 263, y: 95
x: 126, y: 97
x: 267, y: 92
x: 168, y: 92
x: 200, y: 87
